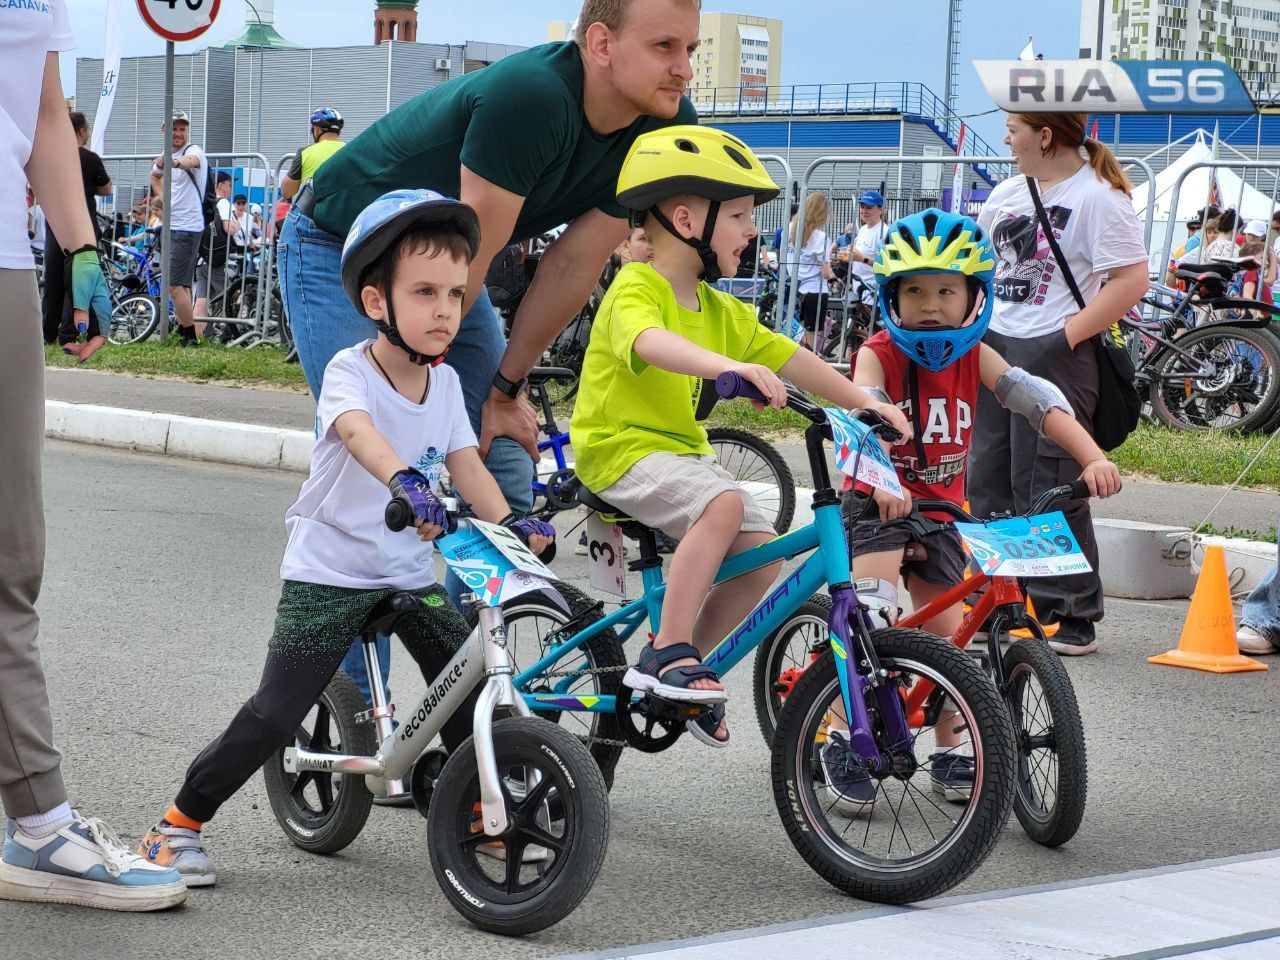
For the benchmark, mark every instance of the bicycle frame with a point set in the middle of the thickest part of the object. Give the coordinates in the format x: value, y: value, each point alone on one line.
x: 484, y: 655
x: 857, y: 665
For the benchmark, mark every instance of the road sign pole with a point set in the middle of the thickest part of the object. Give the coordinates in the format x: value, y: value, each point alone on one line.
x: 166, y: 249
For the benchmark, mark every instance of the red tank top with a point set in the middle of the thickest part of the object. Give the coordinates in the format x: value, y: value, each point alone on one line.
x: 940, y: 407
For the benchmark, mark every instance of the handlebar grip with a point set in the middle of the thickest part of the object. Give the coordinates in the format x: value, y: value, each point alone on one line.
x: 1079, y: 490
x: 399, y: 514
x: 731, y: 386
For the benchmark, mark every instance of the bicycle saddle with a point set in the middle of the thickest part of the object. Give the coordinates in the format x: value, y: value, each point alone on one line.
x: 543, y: 374
x: 388, y: 611
x: 606, y: 510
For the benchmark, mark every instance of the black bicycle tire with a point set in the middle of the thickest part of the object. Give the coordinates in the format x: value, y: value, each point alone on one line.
x: 768, y: 666
x: 150, y: 328
x: 769, y: 453
x: 602, y: 651
x: 1060, y: 823
x: 996, y: 782
x: 337, y: 831
x: 582, y: 795
x: 1262, y: 414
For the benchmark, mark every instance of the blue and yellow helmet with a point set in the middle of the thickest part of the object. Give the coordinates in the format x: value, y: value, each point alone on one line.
x: 935, y: 241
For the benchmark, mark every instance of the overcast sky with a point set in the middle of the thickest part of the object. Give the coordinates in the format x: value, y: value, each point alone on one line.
x: 848, y: 42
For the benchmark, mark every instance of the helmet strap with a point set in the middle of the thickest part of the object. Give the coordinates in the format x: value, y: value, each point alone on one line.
x: 388, y: 326
x: 710, y: 262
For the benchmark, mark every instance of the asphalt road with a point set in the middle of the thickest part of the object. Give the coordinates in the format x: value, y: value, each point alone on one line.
x: 159, y: 597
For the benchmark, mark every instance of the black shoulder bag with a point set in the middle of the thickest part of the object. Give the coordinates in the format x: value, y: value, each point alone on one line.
x: 1119, y: 405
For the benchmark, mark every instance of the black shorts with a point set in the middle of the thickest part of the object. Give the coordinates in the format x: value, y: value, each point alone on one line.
x: 813, y: 310
x: 944, y: 562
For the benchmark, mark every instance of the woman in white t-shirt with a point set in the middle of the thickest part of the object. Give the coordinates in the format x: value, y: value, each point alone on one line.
x: 1037, y: 325
x: 813, y: 264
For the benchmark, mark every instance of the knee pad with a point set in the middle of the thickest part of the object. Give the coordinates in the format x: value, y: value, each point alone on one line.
x: 881, y: 598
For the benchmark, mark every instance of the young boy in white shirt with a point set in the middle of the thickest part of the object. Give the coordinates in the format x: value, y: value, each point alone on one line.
x: 389, y: 417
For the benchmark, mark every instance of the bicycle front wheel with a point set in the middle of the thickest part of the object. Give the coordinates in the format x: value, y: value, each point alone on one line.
x: 893, y: 837
x: 757, y: 465
x: 1229, y: 379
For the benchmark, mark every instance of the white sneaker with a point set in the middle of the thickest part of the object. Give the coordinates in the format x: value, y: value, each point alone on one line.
x: 1251, y: 641
x: 86, y: 865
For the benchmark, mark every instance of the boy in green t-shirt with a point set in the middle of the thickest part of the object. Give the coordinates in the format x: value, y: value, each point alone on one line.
x: 661, y: 332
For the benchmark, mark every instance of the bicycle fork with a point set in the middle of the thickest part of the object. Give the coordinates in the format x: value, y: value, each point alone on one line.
x: 859, y: 669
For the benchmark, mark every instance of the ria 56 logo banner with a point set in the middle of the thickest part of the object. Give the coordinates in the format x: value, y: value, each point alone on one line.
x: 1119, y: 86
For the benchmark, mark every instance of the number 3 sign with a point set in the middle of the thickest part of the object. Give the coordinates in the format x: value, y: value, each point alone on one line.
x: 178, y: 20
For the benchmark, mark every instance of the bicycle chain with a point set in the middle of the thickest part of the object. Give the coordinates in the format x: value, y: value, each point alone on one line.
x: 589, y: 740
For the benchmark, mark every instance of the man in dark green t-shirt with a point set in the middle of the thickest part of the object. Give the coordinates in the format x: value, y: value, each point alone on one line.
x: 531, y: 142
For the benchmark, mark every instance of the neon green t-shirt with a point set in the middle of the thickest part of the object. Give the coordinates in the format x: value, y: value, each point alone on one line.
x: 627, y: 409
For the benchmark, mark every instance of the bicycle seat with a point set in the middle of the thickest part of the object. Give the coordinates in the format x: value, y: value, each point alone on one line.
x: 606, y: 510
x: 1206, y: 271
x: 388, y: 611
x: 543, y: 374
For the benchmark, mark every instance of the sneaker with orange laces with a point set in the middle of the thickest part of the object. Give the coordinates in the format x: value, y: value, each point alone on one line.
x: 181, y: 849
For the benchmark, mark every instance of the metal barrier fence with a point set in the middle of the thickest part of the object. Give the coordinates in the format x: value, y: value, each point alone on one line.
x: 1260, y: 206
x: 231, y: 287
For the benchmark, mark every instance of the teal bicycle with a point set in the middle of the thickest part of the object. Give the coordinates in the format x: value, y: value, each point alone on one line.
x: 904, y: 842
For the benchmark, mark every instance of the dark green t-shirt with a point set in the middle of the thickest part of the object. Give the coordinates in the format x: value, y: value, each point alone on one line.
x: 518, y: 123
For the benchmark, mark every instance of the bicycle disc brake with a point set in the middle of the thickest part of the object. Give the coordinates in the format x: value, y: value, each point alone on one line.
x: 651, y: 724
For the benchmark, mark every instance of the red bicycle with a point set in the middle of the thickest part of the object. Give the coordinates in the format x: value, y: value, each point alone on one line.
x: 1052, y: 770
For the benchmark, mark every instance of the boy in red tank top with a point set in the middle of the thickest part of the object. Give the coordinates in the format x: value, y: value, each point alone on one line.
x: 934, y: 274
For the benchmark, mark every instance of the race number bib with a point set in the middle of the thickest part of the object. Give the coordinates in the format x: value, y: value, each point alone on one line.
x: 874, y: 466
x: 604, y: 556
x: 1041, y: 546
x: 490, y: 566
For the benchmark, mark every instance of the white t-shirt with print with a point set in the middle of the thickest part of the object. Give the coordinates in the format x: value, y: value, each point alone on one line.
x: 1096, y: 228
x: 869, y: 240
x: 188, y: 199
x: 336, y: 531
x: 811, y: 259
x: 28, y: 34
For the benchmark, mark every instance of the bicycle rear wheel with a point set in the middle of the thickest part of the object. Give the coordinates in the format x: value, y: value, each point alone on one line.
x: 760, y: 468
x: 134, y: 319
x: 1230, y: 380
x: 785, y: 655
x: 907, y: 843
x: 1053, y: 770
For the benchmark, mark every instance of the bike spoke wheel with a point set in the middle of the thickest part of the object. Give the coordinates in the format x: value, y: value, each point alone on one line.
x: 1052, y: 772
x: 134, y: 319
x: 539, y: 869
x: 896, y: 838
x: 760, y: 469
x: 785, y: 655
x: 534, y: 624
x: 323, y: 812
x: 1229, y: 379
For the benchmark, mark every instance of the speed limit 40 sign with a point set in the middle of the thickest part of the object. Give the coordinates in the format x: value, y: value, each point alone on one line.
x: 179, y: 19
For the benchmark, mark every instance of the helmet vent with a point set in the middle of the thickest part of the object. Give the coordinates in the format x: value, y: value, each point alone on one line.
x: 737, y: 157
x: 930, y: 223
x: 688, y: 146
x: 954, y: 235
x: 907, y: 236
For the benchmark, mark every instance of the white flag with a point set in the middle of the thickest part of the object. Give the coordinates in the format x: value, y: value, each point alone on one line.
x: 110, y: 75
x: 957, y: 177
x: 1028, y: 52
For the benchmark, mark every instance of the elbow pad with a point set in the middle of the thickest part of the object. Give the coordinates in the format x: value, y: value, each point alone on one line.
x: 1030, y: 396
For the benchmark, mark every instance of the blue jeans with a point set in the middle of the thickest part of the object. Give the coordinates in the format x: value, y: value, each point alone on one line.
x: 1262, y: 608
x: 324, y: 322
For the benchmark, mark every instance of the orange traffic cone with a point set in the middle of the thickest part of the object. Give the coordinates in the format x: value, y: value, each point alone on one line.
x: 1209, y: 635
x: 1049, y: 628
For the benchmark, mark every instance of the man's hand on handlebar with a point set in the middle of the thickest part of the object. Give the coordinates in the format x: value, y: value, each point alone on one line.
x: 771, y: 387
x: 430, y: 518
x: 1103, y: 478
x: 891, y: 508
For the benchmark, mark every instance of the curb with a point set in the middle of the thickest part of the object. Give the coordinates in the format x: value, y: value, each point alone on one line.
x: 241, y: 444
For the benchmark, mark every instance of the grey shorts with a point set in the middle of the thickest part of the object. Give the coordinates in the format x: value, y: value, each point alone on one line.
x: 669, y: 492
x: 944, y: 562
x: 211, y: 282
x: 184, y: 250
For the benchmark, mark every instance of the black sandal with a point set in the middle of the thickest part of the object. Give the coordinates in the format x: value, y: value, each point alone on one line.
x: 674, y: 683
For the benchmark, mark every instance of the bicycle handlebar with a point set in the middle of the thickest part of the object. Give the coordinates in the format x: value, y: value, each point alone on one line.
x: 1075, y: 490
x: 732, y: 386
x: 399, y: 514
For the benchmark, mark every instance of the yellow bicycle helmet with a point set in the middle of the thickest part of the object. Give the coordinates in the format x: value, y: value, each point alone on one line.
x: 701, y: 161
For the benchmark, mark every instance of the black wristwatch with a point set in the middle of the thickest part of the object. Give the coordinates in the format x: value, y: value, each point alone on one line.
x: 508, y: 388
